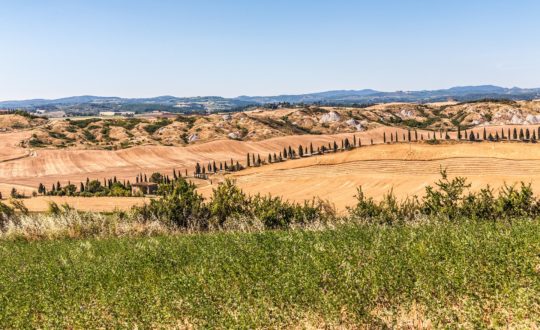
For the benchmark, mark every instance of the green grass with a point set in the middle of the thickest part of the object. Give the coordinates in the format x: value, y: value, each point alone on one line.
x: 470, y: 275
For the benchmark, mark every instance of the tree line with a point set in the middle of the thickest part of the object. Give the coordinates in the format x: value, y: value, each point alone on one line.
x: 114, y: 187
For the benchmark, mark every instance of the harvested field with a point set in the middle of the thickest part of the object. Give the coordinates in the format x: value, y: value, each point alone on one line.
x: 405, y: 168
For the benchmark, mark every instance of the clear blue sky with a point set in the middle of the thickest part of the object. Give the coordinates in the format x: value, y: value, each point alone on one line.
x: 52, y: 49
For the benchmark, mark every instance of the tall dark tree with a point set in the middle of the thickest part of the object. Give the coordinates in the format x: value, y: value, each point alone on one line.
x: 471, y: 136
x: 459, y: 132
x: 335, y: 146
x: 527, y: 134
x: 484, y: 137
x: 300, y: 151
x: 409, y: 135
x: 515, y: 136
x: 311, y: 148
x: 384, y: 137
x: 248, y: 160
x: 347, y: 144
x: 415, y: 134
x: 521, y: 135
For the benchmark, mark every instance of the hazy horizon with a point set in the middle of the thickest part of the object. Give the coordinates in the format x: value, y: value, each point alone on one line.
x: 133, y: 49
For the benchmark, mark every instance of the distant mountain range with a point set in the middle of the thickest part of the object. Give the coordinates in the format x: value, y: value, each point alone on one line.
x: 87, y: 103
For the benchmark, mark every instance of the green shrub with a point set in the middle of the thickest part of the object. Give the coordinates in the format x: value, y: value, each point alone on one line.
x: 179, y: 206
x: 228, y: 201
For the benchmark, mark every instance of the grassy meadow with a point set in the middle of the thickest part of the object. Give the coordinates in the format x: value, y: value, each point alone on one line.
x: 472, y: 274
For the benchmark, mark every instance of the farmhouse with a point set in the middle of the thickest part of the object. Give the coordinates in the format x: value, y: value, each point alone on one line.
x: 144, y: 188
x: 117, y: 113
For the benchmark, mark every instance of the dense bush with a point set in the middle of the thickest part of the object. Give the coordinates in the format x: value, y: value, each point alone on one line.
x: 181, y: 207
x: 450, y: 199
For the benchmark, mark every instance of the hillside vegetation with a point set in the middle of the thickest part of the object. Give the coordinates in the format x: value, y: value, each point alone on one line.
x: 265, y: 123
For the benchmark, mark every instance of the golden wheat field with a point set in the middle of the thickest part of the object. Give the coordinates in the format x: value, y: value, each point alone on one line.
x: 405, y: 168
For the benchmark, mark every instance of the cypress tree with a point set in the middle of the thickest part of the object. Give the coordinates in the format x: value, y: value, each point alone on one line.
x: 415, y: 134
x: 521, y: 136
x: 335, y: 146
x: 300, y: 152
x: 354, y: 141
x: 384, y: 137
x: 484, y: 136
x: 269, y: 159
x: 527, y: 134
x: 284, y: 153
x: 391, y: 138
x: 508, y: 134
x: 258, y: 160
x: 311, y: 148
x: 409, y: 135
x: 497, y: 136
x: 515, y: 134
x: 478, y: 136
x: 253, y: 159
x: 471, y: 136
x: 459, y: 132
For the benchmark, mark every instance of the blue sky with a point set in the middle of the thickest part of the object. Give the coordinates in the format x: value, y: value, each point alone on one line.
x: 52, y: 49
